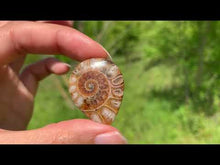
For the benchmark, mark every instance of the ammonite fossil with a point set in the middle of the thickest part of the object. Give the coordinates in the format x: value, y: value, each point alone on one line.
x: 96, y: 86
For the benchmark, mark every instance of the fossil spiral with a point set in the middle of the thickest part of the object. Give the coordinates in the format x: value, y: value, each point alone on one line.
x: 96, y: 86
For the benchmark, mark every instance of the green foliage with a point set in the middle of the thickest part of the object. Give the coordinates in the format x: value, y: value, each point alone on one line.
x: 172, y: 80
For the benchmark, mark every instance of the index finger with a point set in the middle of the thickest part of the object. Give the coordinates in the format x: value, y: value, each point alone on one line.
x: 19, y: 38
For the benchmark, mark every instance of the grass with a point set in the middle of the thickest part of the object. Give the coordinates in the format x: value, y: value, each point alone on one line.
x: 143, y: 118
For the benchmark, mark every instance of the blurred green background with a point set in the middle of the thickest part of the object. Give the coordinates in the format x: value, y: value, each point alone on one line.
x: 171, y: 71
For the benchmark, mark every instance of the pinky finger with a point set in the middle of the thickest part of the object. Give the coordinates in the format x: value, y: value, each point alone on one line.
x: 33, y: 73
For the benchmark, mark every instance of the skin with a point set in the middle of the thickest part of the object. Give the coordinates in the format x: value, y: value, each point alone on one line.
x: 19, y: 87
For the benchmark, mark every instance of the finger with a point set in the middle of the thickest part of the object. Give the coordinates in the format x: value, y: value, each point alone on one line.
x: 65, y: 23
x: 34, y: 37
x: 78, y: 131
x: 33, y: 73
x: 17, y: 64
x: 2, y: 23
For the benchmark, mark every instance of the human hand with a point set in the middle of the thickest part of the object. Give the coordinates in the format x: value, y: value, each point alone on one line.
x: 18, y: 88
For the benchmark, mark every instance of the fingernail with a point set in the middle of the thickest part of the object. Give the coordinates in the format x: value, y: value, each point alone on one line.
x: 71, y: 22
x: 110, y: 138
x: 109, y: 56
x: 67, y: 65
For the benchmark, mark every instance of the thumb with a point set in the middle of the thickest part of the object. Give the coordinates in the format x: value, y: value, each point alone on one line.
x: 78, y: 131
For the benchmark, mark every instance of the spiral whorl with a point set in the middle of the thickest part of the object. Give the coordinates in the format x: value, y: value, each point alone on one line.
x: 96, y: 86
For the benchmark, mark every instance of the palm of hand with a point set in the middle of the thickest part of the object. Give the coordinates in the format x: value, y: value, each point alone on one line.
x: 15, y: 99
